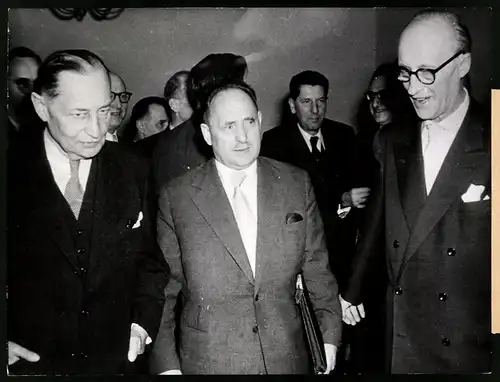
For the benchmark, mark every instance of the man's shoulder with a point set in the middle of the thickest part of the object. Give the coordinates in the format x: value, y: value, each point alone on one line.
x: 123, y: 156
x: 283, y: 171
x: 335, y: 127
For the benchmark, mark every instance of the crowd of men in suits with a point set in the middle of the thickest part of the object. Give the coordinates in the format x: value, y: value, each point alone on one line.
x: 178, y: 253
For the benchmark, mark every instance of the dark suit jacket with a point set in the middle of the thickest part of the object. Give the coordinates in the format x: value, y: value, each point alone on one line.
x: 178, y: 151
x: 232, y: 322
x: 333, y: 175
x: 437, y: 252
x: 75, y: 287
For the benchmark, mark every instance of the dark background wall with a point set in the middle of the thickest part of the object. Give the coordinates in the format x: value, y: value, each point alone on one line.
x: 146, y: 46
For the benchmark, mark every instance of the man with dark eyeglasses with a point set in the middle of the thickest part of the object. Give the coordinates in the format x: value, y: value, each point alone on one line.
x: 433, y: 210
x: 23, y: 68
x: 119, y: 104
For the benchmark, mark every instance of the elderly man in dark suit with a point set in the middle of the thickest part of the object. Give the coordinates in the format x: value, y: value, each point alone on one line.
x: 326, y: 150
x: 236, y: 231
x: 85, y: 278
x: 433, y: 209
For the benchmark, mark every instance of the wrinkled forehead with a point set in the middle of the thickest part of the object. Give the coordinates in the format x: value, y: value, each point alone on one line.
x: 23, y: 67
x: 90, y: 85
x: 232, y: 104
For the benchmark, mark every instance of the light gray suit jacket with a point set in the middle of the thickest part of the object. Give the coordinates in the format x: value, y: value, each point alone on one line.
x: 230, y: 321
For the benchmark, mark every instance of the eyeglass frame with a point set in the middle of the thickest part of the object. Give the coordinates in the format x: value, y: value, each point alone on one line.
x: 432, y: 71
x: 119, y: 95
x: 381, y: 94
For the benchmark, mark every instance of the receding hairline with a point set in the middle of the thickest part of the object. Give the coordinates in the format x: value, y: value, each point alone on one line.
x: 212, y: 101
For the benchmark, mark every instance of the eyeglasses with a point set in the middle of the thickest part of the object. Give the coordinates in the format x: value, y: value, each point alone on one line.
x: 25, y: 85
x: 425, y: 76
x: 124, y: 96
x: 381, y: 95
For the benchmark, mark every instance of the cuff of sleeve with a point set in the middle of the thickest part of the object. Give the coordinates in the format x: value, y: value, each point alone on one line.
x: 143, y: 332
x: 342, y: 212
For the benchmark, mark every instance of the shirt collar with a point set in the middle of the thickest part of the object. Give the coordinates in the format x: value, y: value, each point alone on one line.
x: 226, y: 172
x: 54, y: 152
x: 453, y: 122
x: 307, y: 136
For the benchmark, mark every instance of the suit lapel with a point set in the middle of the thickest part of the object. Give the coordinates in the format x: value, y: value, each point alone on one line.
x: 269, y: 193
x: 207, y: 192
x: 50, y: 207
x: 411, y: 179
x: 466, y: 152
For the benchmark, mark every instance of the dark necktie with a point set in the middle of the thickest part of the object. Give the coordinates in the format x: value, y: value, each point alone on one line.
x: 74, y: 192
x: 314, y: 148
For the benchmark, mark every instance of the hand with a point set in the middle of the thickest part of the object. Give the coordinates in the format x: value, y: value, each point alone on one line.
x: 356, y: 197
x: 138, y: 341
x: 17, y: 352
x: 351, y: 314
x: 331, y: 357
x: 171, y: 372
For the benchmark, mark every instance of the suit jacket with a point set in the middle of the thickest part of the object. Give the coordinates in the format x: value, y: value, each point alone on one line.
x: 437, y: 252
x: 75, y: 287
x: 232, y: 322
x: 331, y: 176
x: 178, y: 151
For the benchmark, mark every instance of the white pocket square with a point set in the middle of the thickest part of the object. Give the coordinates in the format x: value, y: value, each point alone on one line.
x: 474, y: 194
x: 138, y: 222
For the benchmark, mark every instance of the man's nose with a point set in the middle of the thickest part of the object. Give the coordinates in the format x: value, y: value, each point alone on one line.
x: 241, y: 133
x: 314, y: 107
x: 413, y: 86
x: 92, y: 127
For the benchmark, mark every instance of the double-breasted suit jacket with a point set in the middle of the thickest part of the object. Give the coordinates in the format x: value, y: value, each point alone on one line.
x: 76, y: 286
x: 438, y: 251
x: 231, y: 321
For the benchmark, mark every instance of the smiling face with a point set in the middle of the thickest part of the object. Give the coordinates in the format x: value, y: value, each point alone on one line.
x: 78, y: 116
x: 427, y: 44
x: 378, y: 109
x: 309, y: 107
x: 233, y: 129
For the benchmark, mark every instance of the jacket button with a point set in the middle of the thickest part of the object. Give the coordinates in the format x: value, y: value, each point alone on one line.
x: 398, y: 291
x: 84, y: 313
x: 395, y: 244
x: 451, y: 252
x: 255, y: 329
x: 83, y: 270
x: 256, y: 297
x: 79, y: 251
x: 443, y: 296
x: 79, y: 232
x: 129, y: 224
x: 83, y: 355
x: 445, y: 341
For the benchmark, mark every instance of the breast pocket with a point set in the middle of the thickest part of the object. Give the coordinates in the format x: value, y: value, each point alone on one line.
x: 293, y: 238
x: 478, y: 209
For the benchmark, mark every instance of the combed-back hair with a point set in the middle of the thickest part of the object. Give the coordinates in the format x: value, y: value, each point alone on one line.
x: 24, y: 52
x: 307, y: 77
x: 172, y: 87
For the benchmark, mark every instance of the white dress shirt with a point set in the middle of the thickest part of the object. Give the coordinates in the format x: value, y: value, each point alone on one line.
x: 437, y: 139
x: 59, y: 164
x: 307, y: 137
x: 249, y: 189
x: 112, y: 137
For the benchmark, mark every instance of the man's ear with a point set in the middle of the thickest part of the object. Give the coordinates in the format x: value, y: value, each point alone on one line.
x: 259, y: 117
x: 465, y: 63
x: 174, y: 104
x: 40, y: 106
x: 205, y: 130
x: 291, y: 103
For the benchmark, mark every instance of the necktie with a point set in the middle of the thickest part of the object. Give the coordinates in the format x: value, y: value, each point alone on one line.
x: 426, y: 135
x: 74, y: 191
x: 245, y: 218
x: 314, y: 147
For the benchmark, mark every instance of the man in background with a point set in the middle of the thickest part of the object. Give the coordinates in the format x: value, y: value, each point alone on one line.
x: 119, y: 104
x: 184, y: 148
x: 22, y: 72
x: 175, y: 93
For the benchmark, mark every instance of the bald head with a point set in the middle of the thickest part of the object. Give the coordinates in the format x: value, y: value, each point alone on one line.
x: 118, y: 108
x: 435, y: 40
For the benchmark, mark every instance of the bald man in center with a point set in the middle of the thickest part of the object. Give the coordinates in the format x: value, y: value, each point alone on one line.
x: 236, y: 232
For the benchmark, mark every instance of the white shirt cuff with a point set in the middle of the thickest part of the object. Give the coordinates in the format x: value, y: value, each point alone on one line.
x: 143, y: 332
x: 342, y: 212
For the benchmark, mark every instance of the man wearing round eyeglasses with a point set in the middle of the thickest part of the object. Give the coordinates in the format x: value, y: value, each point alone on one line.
x: 119, y: 104
x: 433, y: 208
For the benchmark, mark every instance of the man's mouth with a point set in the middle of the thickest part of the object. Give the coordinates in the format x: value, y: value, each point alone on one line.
x: 421, y: 100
